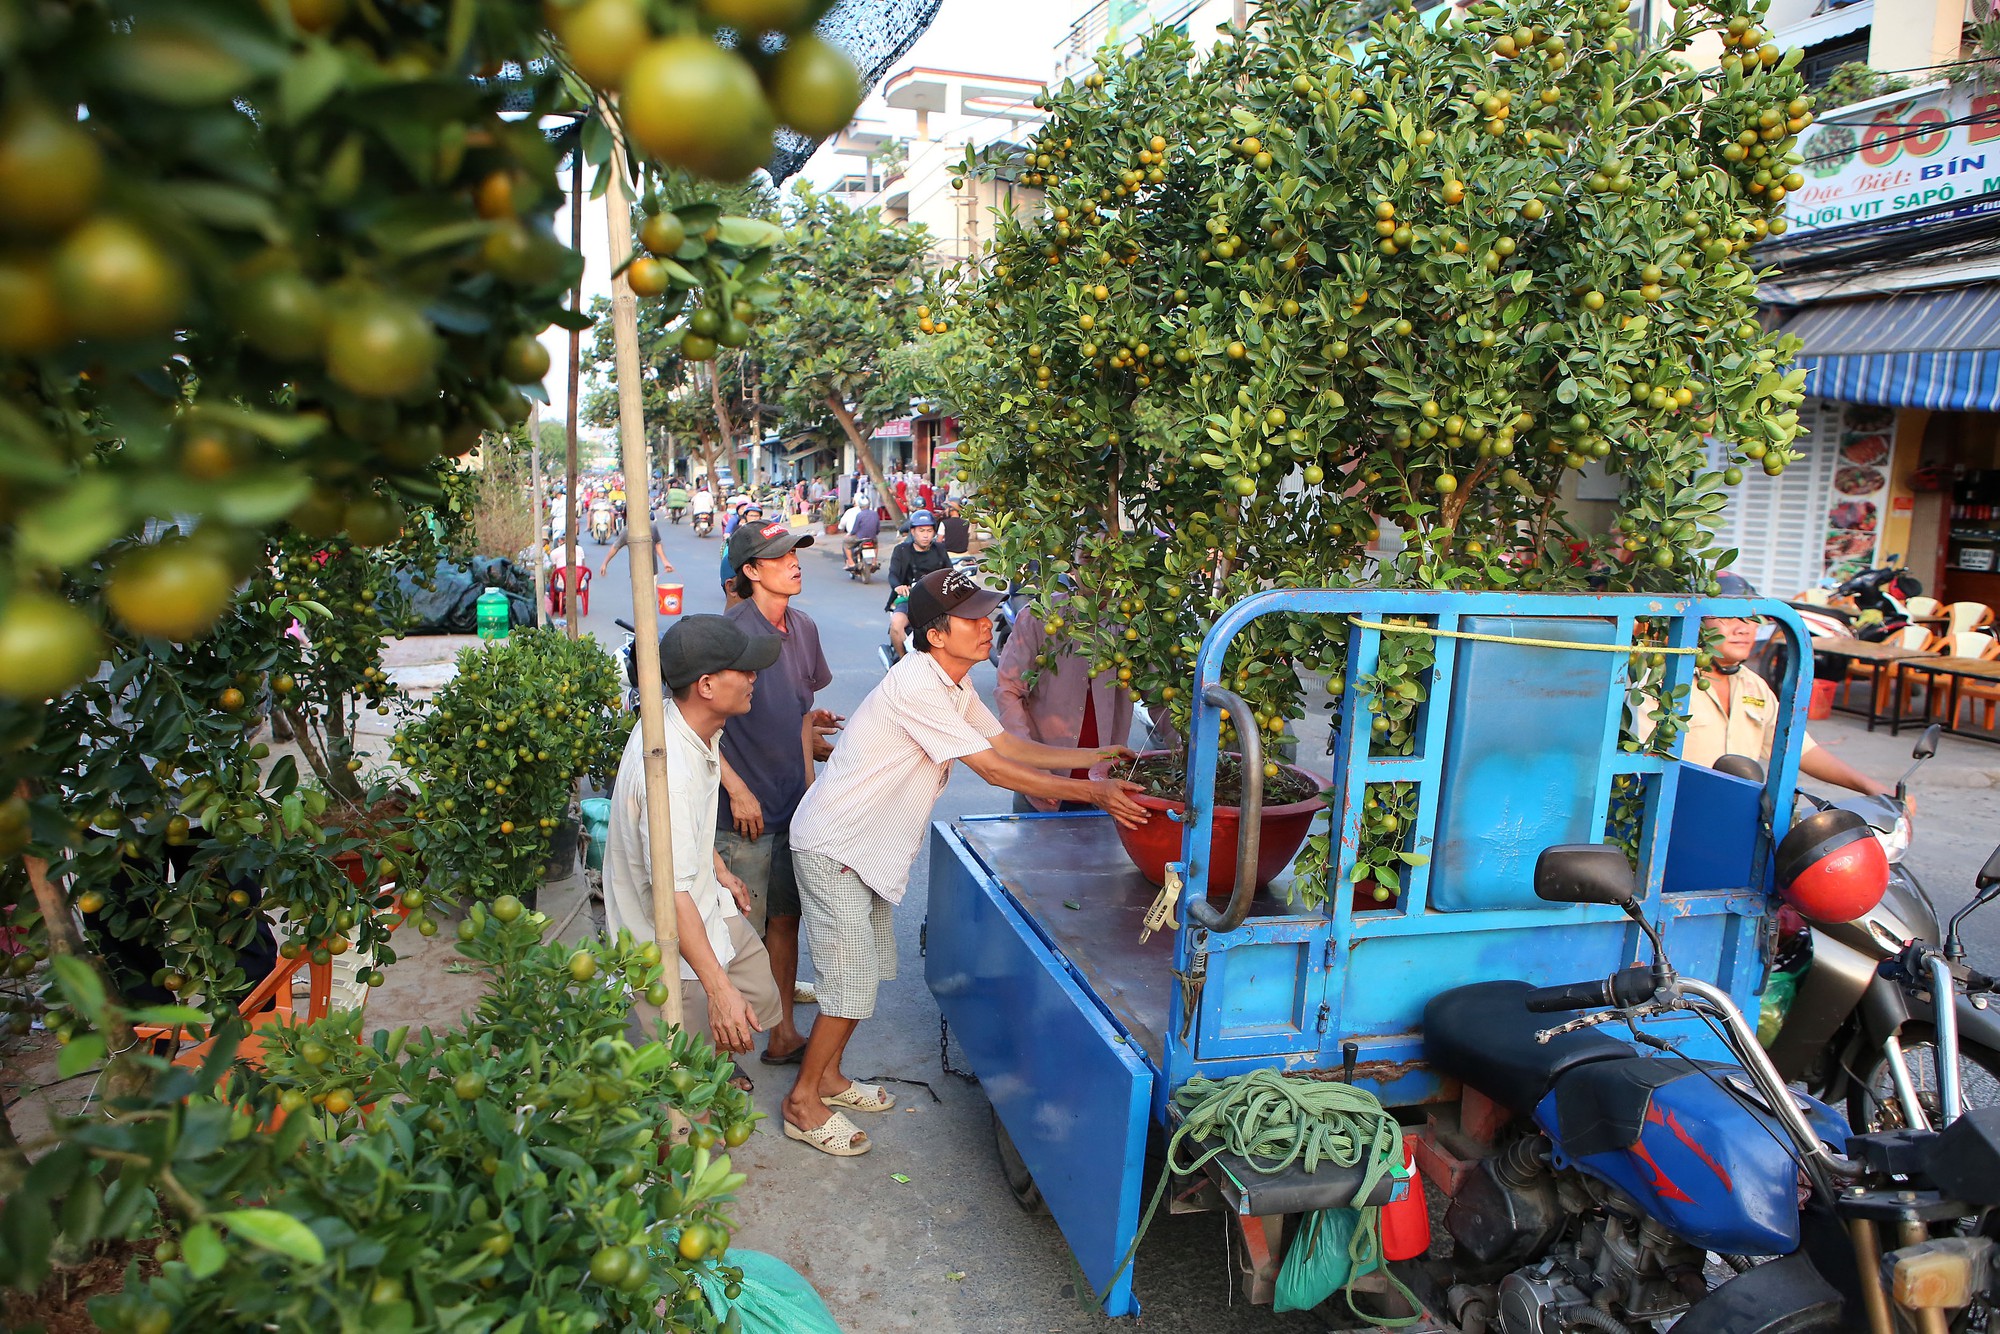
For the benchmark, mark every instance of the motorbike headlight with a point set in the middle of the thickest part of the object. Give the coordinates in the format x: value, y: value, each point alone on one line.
x: 1897, y: 841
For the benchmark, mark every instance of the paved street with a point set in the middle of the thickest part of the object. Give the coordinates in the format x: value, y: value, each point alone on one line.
x: 950, y: 1251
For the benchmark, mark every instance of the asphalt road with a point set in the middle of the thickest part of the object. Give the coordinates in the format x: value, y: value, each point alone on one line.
x: 949, y: 1250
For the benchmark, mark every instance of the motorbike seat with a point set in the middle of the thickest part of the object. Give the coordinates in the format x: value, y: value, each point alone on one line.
x: 1483, y: 1035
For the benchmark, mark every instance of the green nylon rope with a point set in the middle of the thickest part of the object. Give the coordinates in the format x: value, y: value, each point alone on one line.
x: 1272, y: 1121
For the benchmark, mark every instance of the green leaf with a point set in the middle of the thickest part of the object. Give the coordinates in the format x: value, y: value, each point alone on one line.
x: 226, y: 206
x: 274, y: 1231
x: 203, y: 1250
x: 170, y: 1016
x: 76, y: 524
x: 80, y: 983
x: 748, y: 233
x: 308, y: 81
x: 262, y: 496
x: 81, y: 1053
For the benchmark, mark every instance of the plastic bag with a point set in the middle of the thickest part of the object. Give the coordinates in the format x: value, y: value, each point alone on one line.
x: 776, y: 1298
x: 1775, y: 1003
x: 1317, y: 1263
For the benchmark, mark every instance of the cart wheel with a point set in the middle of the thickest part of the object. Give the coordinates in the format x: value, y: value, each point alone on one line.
x: 1020, y: 1183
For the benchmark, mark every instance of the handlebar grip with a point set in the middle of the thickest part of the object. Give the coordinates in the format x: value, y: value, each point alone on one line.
x: 1568, y: 996
x: 626, y: 625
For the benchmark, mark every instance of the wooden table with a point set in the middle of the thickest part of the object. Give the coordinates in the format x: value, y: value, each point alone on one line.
x: 1879, y: 657
x: 1954, y: 670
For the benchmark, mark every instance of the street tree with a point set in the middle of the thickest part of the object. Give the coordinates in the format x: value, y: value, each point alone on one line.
x: 853, y: 291
x: 1302, y: 297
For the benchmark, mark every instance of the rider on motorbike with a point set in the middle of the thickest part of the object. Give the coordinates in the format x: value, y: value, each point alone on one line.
x: 914, y: 557
x: 677, y: 500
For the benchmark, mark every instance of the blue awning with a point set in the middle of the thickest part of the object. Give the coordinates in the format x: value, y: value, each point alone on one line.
x: 1936, y: 350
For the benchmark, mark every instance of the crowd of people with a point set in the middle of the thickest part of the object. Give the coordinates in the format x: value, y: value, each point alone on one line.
x: 790, y: 822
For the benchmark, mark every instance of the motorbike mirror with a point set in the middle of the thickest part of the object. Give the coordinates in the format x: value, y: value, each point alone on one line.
x: 1585, y: 873
x: 1741, y: 766
x: 1927, y: 743
x: 1989, y: 874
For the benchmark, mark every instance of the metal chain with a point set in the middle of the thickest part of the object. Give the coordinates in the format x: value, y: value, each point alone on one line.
x: 944, y: 1054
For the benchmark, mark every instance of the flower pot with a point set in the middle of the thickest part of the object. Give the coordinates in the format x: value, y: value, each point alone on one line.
x: 1158, y: 841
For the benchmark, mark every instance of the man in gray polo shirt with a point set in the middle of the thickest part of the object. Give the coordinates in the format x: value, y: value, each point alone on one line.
x: 765, y: 764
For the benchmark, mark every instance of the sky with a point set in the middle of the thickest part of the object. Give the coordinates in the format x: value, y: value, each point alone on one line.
x: 968, y: 35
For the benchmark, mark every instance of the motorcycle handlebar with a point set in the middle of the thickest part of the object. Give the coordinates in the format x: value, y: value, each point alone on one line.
x: 626, y: 626
x: 1630, y: 986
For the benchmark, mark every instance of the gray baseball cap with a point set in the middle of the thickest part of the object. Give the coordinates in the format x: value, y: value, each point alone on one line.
x: 700, y: 646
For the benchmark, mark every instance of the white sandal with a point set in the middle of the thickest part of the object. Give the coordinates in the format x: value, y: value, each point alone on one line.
x: 860, y: 1097
x: 804, y: 993
x: 837, y: 1137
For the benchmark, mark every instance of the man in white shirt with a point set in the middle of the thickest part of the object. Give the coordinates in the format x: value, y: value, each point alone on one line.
x: 859, y: 828
x: 711, y: 666
x: 703, y: 502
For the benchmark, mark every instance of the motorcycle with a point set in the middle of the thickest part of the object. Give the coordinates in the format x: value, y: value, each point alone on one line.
x: 1624, y: 1166
x: 704, y: 523
x: 865, y: 562
x: 1861, y: 1029
x: 601, y: 525
x: 628, y: 653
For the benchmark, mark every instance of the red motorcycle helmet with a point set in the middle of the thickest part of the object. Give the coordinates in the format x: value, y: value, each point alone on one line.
x: 1831, y: 868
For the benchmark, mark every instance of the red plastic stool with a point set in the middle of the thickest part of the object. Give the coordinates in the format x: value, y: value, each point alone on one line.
x: 559, y: 583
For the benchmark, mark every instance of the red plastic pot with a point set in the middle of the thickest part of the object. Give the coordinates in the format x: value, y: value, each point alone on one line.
x: 1158, y: 841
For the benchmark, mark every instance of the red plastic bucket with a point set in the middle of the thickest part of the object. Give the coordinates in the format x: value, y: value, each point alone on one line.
x: 1821, y: 705
x: 1158, y: 841
x: 670, y: 599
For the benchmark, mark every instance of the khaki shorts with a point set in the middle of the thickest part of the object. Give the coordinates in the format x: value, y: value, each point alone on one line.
x: 765, y: 865
x: 749, y: 972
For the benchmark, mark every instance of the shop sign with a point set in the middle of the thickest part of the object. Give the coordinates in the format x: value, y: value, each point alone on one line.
x: 1872, y: 166
x: 902, y: 428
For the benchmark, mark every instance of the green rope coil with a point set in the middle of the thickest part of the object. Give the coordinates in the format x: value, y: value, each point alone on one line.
x: 1273, y: 1121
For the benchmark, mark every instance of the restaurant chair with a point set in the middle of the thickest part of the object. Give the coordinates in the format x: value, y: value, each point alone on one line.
x: 1963, y: 616
x: 1982, y: 695
x: 1923, y: 606
x: 1893, y: 681
x: 1816, y: 597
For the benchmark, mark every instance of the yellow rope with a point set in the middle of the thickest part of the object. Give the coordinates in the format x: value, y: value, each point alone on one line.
x: 1509, y: 639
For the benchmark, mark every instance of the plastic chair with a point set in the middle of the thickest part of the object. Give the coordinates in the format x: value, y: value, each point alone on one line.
x: 1817, y: 597
x: 559, y: 585
x: 1923, y: 606
x: 1963, y: 616
x: 1910, y: 636
x: 1981, y: 695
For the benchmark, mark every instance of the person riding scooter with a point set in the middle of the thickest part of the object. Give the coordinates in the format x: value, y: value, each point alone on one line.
x: 677, y: 501
x: 914, y: 557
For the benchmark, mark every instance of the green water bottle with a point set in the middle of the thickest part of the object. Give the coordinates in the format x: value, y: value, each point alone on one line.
x: 493, y: 614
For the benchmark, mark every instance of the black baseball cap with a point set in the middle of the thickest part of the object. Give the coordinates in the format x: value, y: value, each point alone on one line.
x: 700, y: 646
x: 764, y: 541
x: 951, y: 593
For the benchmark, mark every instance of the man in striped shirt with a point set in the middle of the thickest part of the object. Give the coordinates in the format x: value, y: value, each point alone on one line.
x: 859, y: 828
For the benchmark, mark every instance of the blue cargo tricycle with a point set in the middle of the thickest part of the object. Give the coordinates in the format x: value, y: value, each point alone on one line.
x: 1577, y: 1169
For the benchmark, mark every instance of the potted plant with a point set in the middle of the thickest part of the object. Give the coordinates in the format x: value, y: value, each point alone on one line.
x: 496, y: 760
x: 1308, y: 314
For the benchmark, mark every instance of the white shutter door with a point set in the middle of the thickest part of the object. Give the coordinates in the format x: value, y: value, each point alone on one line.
x: 1778, y: 524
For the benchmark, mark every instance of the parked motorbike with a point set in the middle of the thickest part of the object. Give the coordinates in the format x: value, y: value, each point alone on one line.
x: 704, y: 523
x: 628, y: 653
x: 1628, y: 1164
x: 1885, y: 591
x: 1860, y: 1029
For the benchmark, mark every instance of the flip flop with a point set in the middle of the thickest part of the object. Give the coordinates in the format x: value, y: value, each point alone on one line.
x: 743, y: 1082
x: 860, y: 1097
x: 797, y: 1054
x: 835, y: 1138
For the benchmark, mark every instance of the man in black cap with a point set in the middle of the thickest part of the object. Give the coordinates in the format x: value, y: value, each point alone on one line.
x: 860, y: 827
x: 767, y: 753
x: 711, y: 666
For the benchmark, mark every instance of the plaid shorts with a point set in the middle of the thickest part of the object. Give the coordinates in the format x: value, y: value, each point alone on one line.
x: 848, y: 928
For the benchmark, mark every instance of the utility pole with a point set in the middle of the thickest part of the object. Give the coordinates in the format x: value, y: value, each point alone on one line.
x: 535, y: 514
x: 639, y: 555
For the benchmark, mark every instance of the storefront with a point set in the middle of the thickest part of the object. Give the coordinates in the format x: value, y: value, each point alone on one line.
x: 1889, y: 278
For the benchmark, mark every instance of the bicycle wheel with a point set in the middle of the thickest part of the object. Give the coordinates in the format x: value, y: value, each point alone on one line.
x: 1871, y: 1101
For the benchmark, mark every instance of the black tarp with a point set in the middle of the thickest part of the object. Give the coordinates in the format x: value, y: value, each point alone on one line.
x: 451, y: 605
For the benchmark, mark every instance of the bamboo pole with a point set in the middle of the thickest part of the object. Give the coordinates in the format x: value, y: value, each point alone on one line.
x: 535, y: 507
x: 639, y: 556
x: 577, y: 199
